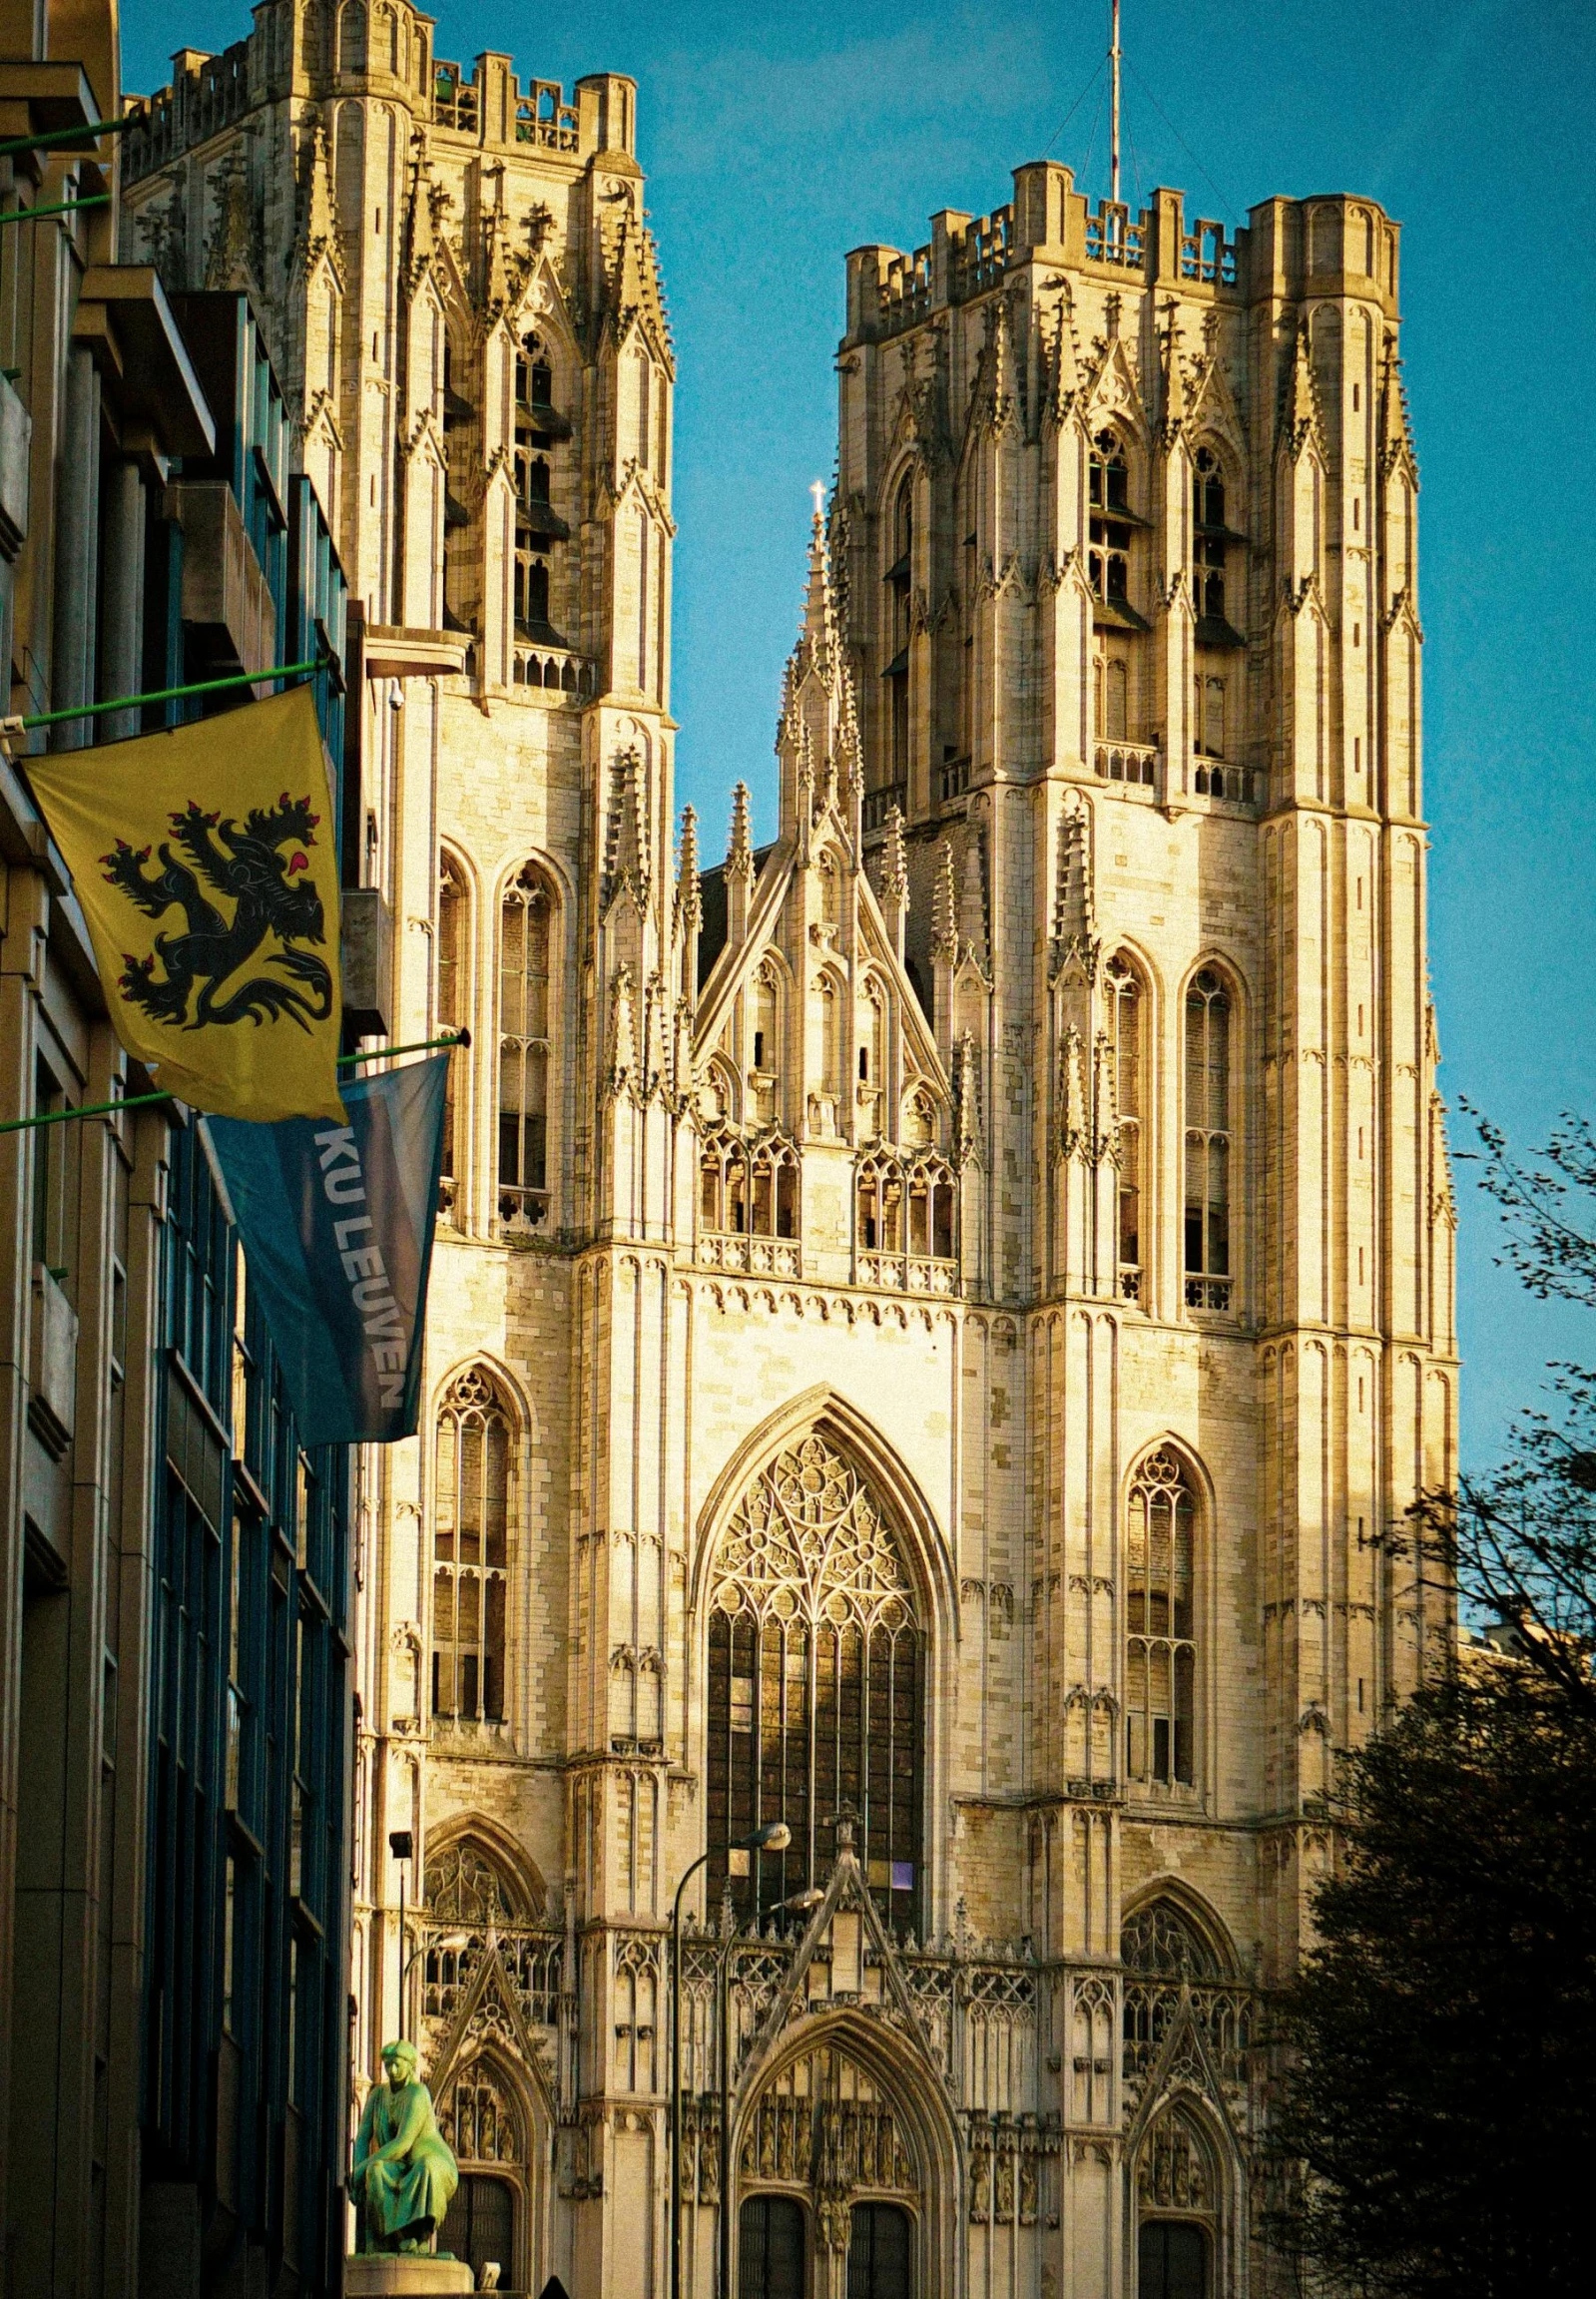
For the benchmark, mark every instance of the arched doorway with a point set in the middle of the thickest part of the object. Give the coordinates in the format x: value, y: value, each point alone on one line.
x: 854, y: 2149
x: 880, y: 2252
x: 1178, y: 2196
x: 482, y: 2121
x: 771, y: 2252
x: 1172, y: 2260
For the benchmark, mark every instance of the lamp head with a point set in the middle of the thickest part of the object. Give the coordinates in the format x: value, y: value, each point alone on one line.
x: 775, y: 1836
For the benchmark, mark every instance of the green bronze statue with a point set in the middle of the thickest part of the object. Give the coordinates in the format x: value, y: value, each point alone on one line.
x: 404, y: 2172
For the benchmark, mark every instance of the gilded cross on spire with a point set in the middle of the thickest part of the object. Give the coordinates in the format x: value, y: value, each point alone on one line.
x: 818, y: 490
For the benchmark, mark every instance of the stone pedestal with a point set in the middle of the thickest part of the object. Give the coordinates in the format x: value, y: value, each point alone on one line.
x: 404, y: 2275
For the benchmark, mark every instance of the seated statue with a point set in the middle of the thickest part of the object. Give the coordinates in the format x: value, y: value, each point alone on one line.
x: 404, y: 2172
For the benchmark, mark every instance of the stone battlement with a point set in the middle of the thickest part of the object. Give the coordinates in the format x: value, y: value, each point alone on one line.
x: 1342, y: 245
x: 316, y: 51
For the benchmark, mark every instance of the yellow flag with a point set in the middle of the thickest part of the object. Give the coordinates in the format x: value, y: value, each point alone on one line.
x: 206, y: 867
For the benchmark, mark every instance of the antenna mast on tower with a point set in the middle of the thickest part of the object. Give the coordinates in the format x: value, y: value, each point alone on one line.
x: 1114, y: 81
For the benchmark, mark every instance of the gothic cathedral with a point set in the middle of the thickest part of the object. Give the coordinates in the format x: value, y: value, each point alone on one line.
x: 934, y: 1317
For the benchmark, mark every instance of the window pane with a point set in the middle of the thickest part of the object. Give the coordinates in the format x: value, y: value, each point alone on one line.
x: 1219, y: 1064
x: 1196, y: 1169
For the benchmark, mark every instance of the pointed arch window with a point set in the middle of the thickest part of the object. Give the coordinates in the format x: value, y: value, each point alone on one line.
x: 1210, y: 537
x: 1111, y: 525
x: 765, y: 1038
x: 872, y: 1019
x: 1161, y: 1942
x: 466, y: 1885
x: 1209, y: 1136
x: 745, y: 1191
x: 830, y: 1033
x: 1208, y: 728
x: 1125, y: 1019
x: 453, y: 993
x: 526, y: 923
x: 539, y: 427
x: 471, y: 1553
x: 1160, y: 1623
x: 816, y: 1683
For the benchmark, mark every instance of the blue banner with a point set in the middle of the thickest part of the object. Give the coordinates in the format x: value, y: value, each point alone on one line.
x: 336, y: 1221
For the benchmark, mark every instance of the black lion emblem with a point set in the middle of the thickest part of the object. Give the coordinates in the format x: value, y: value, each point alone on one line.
x: 214, y: 949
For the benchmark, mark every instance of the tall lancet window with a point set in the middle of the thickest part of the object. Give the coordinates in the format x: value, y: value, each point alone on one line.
x: 471, y: 1553
x: 816, y: 1687
x: 1160, y: 1623
x: 525, y: 1049
x: 1124, y: 1017
x: 1210, y: 538
x: 453, y: 957
x: 1111, y: 519
x: 1209, y: 1134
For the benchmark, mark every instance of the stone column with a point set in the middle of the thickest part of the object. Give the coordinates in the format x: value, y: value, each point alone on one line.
x: 77, y: 550
x: 122, y: 614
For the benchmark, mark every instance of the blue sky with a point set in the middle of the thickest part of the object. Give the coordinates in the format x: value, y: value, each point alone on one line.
x: 775, y: 138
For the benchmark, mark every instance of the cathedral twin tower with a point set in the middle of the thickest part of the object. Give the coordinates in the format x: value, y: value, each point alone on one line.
x: 933, y: 1319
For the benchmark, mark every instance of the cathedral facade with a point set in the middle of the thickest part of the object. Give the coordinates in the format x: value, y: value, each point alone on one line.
x: 934, y: 1319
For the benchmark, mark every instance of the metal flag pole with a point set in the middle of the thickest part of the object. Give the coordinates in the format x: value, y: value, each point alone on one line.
x: 165, y: 694
x: 58, y: 208
x: 1114, y: 76
x: 143, y: 1101
x: 67, y: 139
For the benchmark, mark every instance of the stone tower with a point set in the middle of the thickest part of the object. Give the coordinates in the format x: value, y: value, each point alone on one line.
x: 932, y: 1318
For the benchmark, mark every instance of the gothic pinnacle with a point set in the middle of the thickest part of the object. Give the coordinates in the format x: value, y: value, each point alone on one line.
x: 944, y: 909
x: 1301, y: 412
x: 689, y: 900
x: 739, y: 851
x: 894, y: 858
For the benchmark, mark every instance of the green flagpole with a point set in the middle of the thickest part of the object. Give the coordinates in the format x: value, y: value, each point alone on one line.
x: 58, y: 208
x: 65, y: 139
x: 165, y: 695
x: 143, y: 1101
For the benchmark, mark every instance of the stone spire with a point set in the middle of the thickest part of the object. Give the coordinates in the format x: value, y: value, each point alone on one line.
x: 968, y: 1097
x: 689, y: 903
x: 422, y: 245
x: 739, y: 867
x: 819, y: 719
x: 944, y: 910
x: 896, y: 881
x: 1174, y: 381
x: 496, y: 265
x: 1301, y: 402
x: 319, y: 222
x: 1075, y: 911
x: 689, y: 900
x: 629, y: 855
x: 1395, y: 431
x: 1063, y: 369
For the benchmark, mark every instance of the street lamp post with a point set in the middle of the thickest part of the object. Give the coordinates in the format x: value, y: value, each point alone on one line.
x: 776, y: 1836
